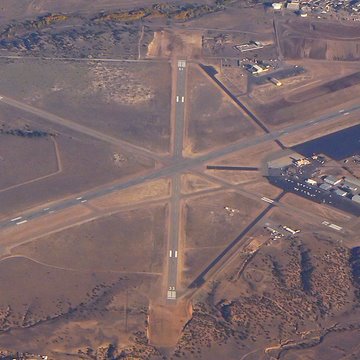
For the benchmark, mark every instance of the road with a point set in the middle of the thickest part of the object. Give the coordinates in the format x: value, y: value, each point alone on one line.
x: 175, y: 213
x: 176, y: 167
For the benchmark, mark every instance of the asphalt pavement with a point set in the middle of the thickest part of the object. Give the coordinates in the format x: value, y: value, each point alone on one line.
x: 174, y: 223
x: 175, y: 167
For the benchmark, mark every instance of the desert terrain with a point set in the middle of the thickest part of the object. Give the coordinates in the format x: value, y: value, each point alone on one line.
x: 139, y: 216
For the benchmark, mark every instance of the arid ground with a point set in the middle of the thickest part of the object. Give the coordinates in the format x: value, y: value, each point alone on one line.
x: 134, y: 206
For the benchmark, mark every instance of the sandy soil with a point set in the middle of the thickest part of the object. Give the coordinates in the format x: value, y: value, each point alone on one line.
x: 167, y: 322
x: 191, y: 183
x: 154, y: 190
x: 167, y: 43
x: 236, y: 177
x: 318, y: 40
x: 252, y: 156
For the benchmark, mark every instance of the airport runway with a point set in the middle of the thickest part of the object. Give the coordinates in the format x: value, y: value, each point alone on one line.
x: 174, y: 218
x: 174, y: 231
x: 180, y: 108
x: 175, y: 167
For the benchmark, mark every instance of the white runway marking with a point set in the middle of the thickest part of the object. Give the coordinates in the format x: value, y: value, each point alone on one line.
x: 21, y: 222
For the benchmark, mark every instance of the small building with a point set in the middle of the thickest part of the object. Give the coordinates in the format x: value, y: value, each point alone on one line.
x: 325, y: 186
x: 291, y: 231
x: 275, y: 81
x: 340, y: 192
x: 352, y: 181
x: 349, y: 186
x: 311, y: 182
x: 332, y: 180
x: 256, y: 68
x: 293, y: 5
x: 302, y: 162
x: 277, y: 5
x: 356, y: 198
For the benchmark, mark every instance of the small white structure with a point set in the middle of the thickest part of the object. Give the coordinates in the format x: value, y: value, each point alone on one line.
x: 311, y: 182
x: 277, y: 5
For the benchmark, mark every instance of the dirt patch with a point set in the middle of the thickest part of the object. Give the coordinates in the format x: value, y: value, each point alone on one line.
x: 236, y: 177
x: 319, y: 40
x: 166, y: 43
x: 154, y: 190
x: 191, y: 183
x: 166, y: 322
x: 252, y: 156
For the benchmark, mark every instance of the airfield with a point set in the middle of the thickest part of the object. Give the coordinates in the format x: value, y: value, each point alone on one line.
x: 136, y: 218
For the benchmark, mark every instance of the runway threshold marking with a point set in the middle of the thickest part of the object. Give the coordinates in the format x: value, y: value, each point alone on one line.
x: 181, y: 64
x: 171, y: 295
x: 21, y: 222
x: 336, y: 227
